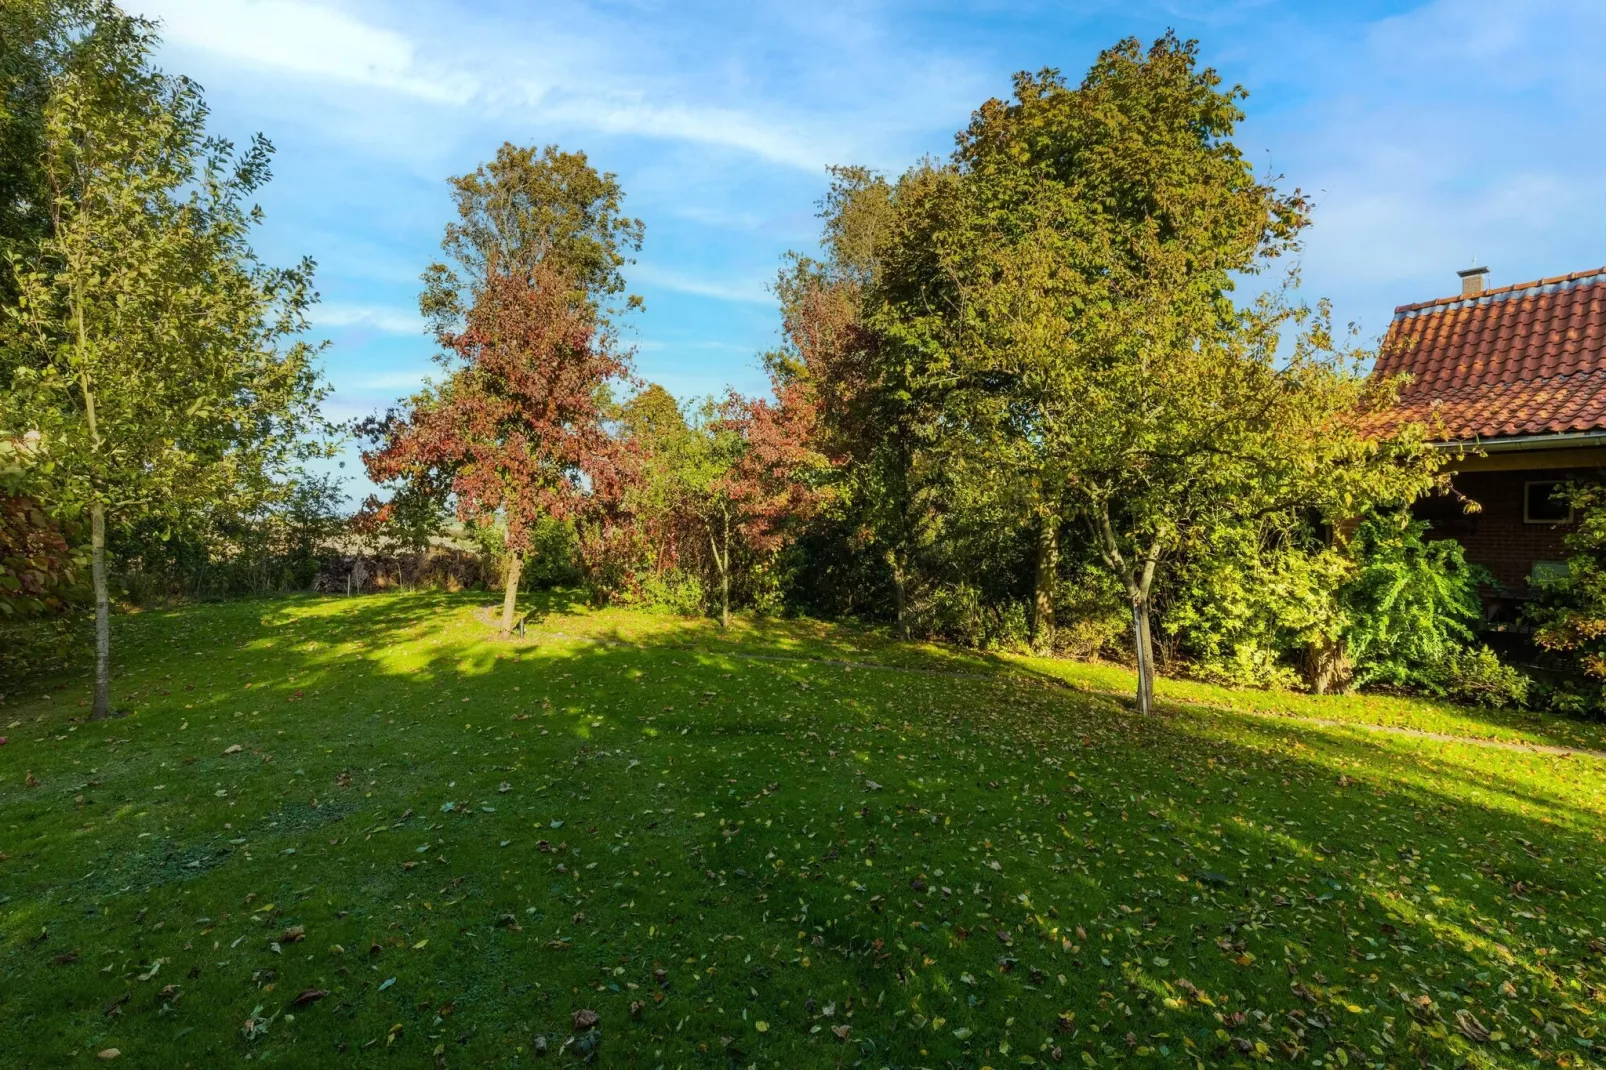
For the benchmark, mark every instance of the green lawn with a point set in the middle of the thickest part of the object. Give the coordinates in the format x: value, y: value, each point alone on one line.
x: 364, y: 832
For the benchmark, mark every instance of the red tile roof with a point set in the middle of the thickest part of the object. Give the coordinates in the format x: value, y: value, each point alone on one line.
x: 1528, y: 359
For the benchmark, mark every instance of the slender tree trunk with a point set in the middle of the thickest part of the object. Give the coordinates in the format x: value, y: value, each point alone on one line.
x: 900, y: 591
x: 1138, y: 579
x: 1143, y: 640
x: 510, y: 591
x: 724, y: 598
x: 103, y: 621
x: 1048, y: 556
x: 725, y: 579
x: 722, y: 561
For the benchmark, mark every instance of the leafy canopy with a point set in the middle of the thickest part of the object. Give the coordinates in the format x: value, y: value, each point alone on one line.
x: 149, y: 349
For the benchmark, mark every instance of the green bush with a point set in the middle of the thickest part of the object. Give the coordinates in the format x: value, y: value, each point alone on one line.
x: 1248, y: 601
x: 672, y: 590
x: 1570, y: 614
x: 1092, y: 616
x: 1248, y: 664
x: 1476, y: 677
x: 958, y: 612
x: 1411, y: 606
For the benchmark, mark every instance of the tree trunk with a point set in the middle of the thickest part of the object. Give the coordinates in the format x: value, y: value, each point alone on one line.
x: 1048, y: 556
x: 510, y: 591
x: 725, y: 578
x: 102, y: 708
x: 1327, y: 667
x: 900, y: 591
x: 1143, y: 641
x: 725, y: 597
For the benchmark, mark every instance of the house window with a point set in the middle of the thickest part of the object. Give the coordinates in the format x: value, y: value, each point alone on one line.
x: 1544, y: 503
x: 1548, y: 572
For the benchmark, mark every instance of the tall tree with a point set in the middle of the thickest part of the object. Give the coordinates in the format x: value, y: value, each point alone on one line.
x: 149, y: 348
x: 533, y: 260
x: 874, y: 411
x: 516, y: 431
x: 1077, y: 290
x: 525, y: 208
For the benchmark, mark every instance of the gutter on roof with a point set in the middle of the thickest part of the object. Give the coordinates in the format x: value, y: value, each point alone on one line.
x: 1554, y: 441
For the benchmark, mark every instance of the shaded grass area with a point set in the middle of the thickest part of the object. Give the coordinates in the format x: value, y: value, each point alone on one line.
x: 736, y: 855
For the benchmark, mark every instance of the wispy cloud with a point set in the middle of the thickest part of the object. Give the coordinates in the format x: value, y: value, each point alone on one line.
x: 747, y: 292
x: 399, y: 379
x: 389, y: 319
x: 316, y: 43
x: 311, y: 40
x: 720, y: 127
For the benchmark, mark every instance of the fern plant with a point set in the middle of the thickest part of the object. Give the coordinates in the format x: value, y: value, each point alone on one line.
x: 1412, y: 604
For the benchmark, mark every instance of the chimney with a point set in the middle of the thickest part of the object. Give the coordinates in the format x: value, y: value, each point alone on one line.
x: 1472, y: 281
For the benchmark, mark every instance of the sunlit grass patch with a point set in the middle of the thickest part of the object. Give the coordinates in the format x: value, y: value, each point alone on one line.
x: 461, y: 841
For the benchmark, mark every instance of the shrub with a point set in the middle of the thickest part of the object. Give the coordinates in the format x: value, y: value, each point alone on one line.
x: 1477, y: 677
x: 1412, y: 604
x: 958, y: 612
x: 1092, y: 617
x: 1249, y: 601
x: 1570, y: 613
x: 1248, y: 664
x: 671, y: 590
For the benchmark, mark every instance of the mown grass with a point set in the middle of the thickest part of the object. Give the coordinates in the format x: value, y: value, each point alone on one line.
x: 755, y: 849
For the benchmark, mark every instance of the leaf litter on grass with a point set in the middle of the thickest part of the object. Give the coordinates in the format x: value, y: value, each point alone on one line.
x: 1034, y: 875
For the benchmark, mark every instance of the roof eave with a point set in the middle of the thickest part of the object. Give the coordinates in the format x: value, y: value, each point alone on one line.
x: 1550, y: 440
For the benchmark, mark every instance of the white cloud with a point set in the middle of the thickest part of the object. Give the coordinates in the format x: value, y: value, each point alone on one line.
x: 310, y: 40
x: 665, y: 279
x: 324, y: 45
x: 374, y: 317
x: 764, y: 137
x: 400, y: 379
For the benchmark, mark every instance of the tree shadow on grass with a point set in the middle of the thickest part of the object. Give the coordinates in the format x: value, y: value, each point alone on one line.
x: 924, y: 855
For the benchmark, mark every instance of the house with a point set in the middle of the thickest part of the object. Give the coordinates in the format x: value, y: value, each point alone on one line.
x: 1513, y: 380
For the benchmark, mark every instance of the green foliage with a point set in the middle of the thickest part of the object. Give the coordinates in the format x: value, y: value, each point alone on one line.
x: 960, y: 613
x: 44, y: 43
x: 1475, y: 676
x: 671, y: 590
x: 1051, y: 315
x: 1247, y: 599
x: 150, y: 349
x: 526, y: 209
x: 1570, y: 614
x: 278, y: 545
x: 1412, y: 604
x: 1093, y: 618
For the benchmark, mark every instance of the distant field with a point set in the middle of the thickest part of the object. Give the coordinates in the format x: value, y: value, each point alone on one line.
x: 364, y: 832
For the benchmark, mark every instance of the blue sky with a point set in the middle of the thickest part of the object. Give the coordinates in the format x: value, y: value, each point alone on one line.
x: 1428, y: 133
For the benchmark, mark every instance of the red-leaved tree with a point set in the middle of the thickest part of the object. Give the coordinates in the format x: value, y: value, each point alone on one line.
x: 516, y: 431
x: 751, y: 478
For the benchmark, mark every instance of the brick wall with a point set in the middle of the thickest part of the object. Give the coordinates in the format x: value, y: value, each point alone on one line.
x: 1497, y: 537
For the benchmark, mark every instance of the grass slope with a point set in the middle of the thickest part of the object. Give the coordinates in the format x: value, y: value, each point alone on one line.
x: 362, y: 832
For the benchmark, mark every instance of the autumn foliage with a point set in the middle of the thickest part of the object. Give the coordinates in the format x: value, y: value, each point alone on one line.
x: 515, y: 433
